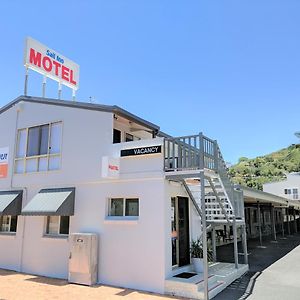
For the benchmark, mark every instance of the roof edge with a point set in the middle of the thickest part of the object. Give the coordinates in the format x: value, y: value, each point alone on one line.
x: 82, y: 105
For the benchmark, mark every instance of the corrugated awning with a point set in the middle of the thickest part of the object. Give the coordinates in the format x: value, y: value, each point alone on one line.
x: 10, y: 202
x: 51, y: 202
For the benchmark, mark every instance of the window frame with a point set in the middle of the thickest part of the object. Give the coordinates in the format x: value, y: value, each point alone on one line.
x: 119, y: 132
x: 295, y: 193
x: 9, y: 231
x: 292, y: 193
x: 37, y: 158
x: 124, y: 216
x: 56, y: 234
x: 132, y: 138
x: 123, y: 136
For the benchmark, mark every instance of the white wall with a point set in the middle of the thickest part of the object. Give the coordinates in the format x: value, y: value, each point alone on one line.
x: 87, y: 136
x: 10, y: 245
x: 277, y: 188
x: 7, y: 139
x: 131, y: 253
x: 42, y: 255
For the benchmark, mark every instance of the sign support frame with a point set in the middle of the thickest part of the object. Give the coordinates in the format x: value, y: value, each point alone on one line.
x: 26, y: 81
x: 44, y: 86
x: 59, y: 90
x: 73, y: 94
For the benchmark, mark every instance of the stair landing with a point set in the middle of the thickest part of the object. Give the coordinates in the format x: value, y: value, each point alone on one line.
x: 220, y: 276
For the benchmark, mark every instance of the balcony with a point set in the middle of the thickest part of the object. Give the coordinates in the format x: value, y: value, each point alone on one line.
x: 180, y: 158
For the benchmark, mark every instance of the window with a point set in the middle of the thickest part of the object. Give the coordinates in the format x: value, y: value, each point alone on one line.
x: 122, y: 136
x: 38, y: 140
x: 57, y: 225
x: 117, y: 207
x: 117, y: 136
x: 131, y: 207
x: 128, y: 137
x: 38, y: 148
x: 293, y: 192
x: 8, y: 223
x: 120, y: 207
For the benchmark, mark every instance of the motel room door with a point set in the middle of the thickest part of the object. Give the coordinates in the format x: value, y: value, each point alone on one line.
x: 180, y: 231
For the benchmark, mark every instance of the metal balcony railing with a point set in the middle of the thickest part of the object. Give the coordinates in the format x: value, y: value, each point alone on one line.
x: 186, y: 153
x: 194, y: 151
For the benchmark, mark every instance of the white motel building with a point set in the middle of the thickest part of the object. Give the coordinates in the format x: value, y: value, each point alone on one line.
x: 288, y: 188
x: 72, y: 167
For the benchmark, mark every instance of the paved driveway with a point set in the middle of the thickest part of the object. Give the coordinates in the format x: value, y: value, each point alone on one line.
x: 280, y: 280
x: 274, y: 271
x: 16, y: 286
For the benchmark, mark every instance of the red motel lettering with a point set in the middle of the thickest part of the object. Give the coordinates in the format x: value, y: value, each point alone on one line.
x: 114, y: 168
x: 36, y: 58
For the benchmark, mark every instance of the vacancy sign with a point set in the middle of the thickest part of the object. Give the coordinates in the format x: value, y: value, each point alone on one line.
x: 4, y: 162
x: 50, y: 63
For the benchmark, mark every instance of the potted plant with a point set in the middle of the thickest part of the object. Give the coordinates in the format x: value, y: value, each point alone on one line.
x: 197, y: 255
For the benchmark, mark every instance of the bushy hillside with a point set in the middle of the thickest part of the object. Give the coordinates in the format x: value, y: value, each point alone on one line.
x: 272, y: 167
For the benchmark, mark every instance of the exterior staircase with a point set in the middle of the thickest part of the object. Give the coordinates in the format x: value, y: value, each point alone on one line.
x: 184, y: 159
x: 196, y: 161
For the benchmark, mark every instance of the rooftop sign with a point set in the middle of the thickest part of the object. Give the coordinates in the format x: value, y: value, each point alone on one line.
x: 50, y: 63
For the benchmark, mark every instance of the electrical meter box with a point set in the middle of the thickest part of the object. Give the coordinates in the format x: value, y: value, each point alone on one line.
x: 83, y: 259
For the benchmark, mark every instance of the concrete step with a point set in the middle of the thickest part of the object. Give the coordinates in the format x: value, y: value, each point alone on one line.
x: 212, y: 279
x: 188, y: 287
x: 220, y: 276
x: 218, y: 287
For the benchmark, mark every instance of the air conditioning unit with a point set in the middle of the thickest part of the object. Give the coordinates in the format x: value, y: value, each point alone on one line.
x: 83, y: 259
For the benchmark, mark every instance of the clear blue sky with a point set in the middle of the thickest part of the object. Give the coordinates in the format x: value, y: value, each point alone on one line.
x: 228, y: 68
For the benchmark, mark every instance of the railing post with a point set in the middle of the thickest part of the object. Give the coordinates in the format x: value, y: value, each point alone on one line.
x: 282, y: 222
x: 203, y: 218
x: 165, y: 155
x: 168, y: 153
x: 213, y: 239
x: 235, y: 243
x: 201, y: 152
x: 273, y: 223
x: 288, y: 220
x: 295, y: 222
x: 216, y: 156
x: 173, y: 154
x: 259, y: 223
x: 244, y: 236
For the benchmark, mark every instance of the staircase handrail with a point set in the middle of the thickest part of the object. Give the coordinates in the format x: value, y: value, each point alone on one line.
x: 186, y: 153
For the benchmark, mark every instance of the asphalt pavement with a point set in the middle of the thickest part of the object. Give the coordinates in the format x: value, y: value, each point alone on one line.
x: 274, y: 270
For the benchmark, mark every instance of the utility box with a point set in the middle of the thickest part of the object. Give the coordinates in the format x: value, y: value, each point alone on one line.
x: 83, y: 259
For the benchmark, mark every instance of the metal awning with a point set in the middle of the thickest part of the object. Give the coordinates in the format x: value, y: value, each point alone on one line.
x: 10, y: 202
x: 51, y: 202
